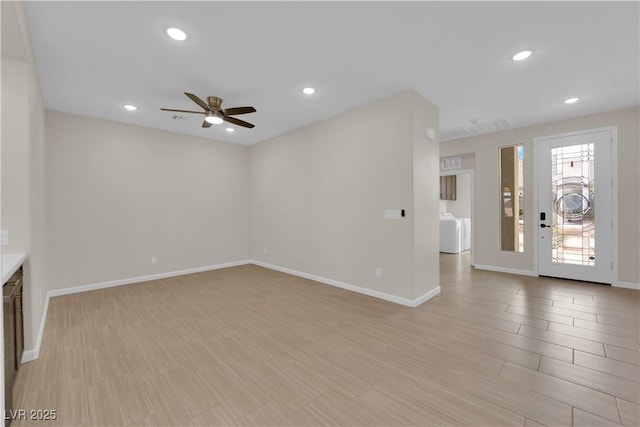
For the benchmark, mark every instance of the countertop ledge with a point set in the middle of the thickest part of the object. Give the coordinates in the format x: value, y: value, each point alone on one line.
x: 10, y: 264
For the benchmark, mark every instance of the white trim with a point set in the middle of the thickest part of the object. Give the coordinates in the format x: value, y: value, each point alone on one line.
x: 506, y: 270
x: 425, y: 297
x: 455, y: 172
x: 614, y: 203
x: 365, y: 291
x: 129, y: 281
x: 627, y: 285
x: 536, y: 205
x: 577, y: 133
x: 29, y: 355
x: 34, y: 353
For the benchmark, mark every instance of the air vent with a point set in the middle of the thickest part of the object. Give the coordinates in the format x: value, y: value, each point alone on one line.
x: 475, y: 129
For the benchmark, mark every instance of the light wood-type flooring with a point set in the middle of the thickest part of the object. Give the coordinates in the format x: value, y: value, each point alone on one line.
x: 250, y: 346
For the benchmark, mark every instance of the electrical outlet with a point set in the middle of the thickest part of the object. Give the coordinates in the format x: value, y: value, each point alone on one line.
x: 154, y: 260
x: 266, y: 250
x: 378, y: 272
x: 4, y: 237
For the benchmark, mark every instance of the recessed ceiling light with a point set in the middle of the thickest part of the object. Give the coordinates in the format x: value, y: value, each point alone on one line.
x: 522, y: 55
x: 130, y: 107
x: 571, y: 100
x: 176, y: 34
x: 230, y: 130
x: 308, y: 91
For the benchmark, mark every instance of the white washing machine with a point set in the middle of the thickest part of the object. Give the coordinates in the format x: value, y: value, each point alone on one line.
x: 451, y: 236
x: 455, y: 234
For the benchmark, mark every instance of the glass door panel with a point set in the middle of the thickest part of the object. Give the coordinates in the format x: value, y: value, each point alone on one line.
x: 573, y: 214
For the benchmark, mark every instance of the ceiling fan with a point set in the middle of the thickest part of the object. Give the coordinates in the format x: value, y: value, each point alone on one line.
x: 213, y: 112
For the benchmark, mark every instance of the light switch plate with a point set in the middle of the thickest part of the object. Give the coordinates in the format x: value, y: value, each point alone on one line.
x: 4, y: 237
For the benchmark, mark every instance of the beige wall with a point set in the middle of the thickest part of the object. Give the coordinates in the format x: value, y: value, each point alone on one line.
x: 119, y: 194
x: 15, y: 154
x: 426, y: 191
x: 22, y: 177
x: 485, y: 148
x: 319, y: 194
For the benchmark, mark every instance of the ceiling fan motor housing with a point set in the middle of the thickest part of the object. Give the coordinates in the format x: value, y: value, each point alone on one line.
x: 214, y: 102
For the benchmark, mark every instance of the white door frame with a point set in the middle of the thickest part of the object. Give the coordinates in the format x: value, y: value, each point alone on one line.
x: 613, y: 130
x: 472, y: 173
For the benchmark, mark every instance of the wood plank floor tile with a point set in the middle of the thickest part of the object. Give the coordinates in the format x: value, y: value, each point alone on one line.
x: 533, y: 345
x: 614, y: 301
x: 542, y: 315
x: 563, y: 340
x: 605, y: 383
x: 532, y: 405
x: 214, y: 416
x: 596, y: 309
x: 530, y: 423
x: 572, y: 394
x: 496, y: 350
x: 617, y: 321
x: 608, y: 329
x: 606, y: 365
x: 277, y: 413
x: 562, y: 311
x: 447, y: 399
x: 251, y: 346
x: 622, y: 354
x: 630, y: 413
x: 600, y: 337
x: 547, y: 294
x: 585, y: 419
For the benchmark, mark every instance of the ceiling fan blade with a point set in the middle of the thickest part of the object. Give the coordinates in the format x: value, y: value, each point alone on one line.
x: 238, y: 122
x: 183, y: 111
x: 198, y: 101
x: 239, y: 110
x: 206, y: 124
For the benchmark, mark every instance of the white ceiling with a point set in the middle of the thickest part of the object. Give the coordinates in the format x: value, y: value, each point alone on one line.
x: 93, y: 57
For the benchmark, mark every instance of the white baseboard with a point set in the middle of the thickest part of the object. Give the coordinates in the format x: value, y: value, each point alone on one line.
x: 506, y: 270
x: 370, y: 292
x: 29, y: 355
x: 627, y: 285
x: 426, y: 297
x: 132, y: 280
x: 34, y: 353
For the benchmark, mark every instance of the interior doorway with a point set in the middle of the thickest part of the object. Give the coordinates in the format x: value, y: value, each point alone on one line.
x: 457, y: 213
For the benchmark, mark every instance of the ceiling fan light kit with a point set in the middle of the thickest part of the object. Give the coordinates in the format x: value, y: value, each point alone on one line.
x: 214, y: 118
x: 213, y: 112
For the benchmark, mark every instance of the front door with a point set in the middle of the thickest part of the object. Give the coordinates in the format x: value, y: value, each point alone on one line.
x: 575, y: 200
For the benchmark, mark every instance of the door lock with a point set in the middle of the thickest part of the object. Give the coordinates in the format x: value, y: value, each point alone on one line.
x: 544, y: 225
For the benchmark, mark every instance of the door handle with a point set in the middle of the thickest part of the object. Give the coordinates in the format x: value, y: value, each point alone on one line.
x: 544, y: 225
